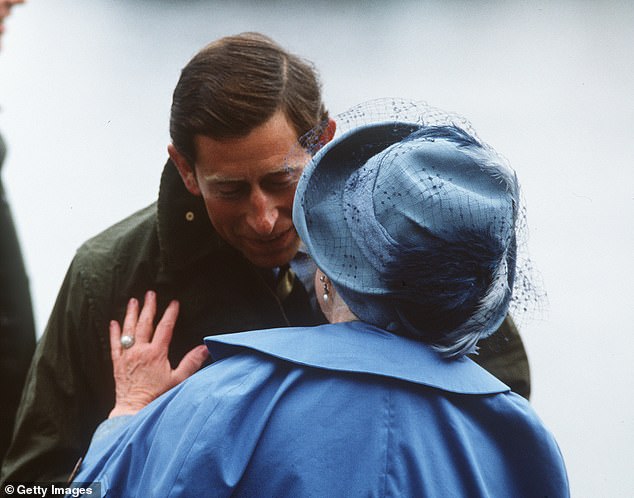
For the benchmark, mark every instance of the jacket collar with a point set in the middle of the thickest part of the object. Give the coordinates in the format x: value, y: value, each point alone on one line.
x: 184, y: 230
x: 361, y: 348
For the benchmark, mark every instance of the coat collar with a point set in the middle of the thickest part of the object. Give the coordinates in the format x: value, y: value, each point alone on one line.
x: 184, y: 230
x: 361, y: 348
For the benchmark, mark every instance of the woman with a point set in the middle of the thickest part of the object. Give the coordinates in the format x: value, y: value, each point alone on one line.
x: 413, y: 227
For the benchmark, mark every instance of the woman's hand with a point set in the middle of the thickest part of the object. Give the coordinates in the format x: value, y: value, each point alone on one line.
x: 142, y: 371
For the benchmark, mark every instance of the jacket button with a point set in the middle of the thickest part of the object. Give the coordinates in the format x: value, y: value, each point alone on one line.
x: 189, y: 216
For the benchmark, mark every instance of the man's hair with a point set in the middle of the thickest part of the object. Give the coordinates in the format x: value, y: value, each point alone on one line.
x: 235, y: 84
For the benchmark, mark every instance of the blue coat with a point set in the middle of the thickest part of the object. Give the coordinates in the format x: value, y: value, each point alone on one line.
x: 338, y: 410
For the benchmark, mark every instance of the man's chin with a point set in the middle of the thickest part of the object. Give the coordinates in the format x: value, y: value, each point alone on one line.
x: 272, y: 260
x: 272, y: 255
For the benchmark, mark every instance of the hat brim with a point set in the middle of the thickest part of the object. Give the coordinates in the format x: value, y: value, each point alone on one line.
x: 318, y: 210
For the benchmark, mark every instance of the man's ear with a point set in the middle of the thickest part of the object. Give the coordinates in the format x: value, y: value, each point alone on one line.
x: 185, y: 170
x: 328, y: 133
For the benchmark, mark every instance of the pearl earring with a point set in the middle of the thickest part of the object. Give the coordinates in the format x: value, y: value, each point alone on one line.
x: 326, y: 295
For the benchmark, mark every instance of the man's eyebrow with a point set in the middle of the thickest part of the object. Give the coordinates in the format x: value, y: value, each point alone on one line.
x: 216, y: 178
x: 219, y: 178
x: 286, y: 170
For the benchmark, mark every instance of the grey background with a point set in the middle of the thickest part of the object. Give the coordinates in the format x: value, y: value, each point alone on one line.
x: 85, y: 89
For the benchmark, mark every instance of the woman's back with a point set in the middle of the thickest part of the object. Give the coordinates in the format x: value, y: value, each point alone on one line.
x: 320, y: 412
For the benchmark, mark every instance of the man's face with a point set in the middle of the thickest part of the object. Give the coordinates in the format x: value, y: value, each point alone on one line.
x: 248, y: 189
x: 5, y: 10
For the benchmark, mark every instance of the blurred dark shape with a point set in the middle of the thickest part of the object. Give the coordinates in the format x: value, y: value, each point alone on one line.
x: 17, y: 328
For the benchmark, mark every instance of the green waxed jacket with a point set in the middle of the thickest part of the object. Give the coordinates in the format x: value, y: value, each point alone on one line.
x: 172, y: 248
x: 169, y: 247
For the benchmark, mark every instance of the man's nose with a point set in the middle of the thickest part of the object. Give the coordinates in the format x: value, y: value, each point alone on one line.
x: 263, y: 213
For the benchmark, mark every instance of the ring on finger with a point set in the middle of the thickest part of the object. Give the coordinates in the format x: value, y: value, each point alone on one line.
x: 127, y: 341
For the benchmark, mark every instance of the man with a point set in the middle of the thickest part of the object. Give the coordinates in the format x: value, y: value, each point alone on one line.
x: 212, y: 250
x: 218, y: 240
x: 17, y: 329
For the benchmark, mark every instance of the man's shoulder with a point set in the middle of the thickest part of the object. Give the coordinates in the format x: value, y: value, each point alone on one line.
x: 134, y: 230
x: 128, y: 241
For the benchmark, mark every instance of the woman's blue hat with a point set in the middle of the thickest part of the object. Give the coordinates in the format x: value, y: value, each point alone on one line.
x: 415, y: 226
